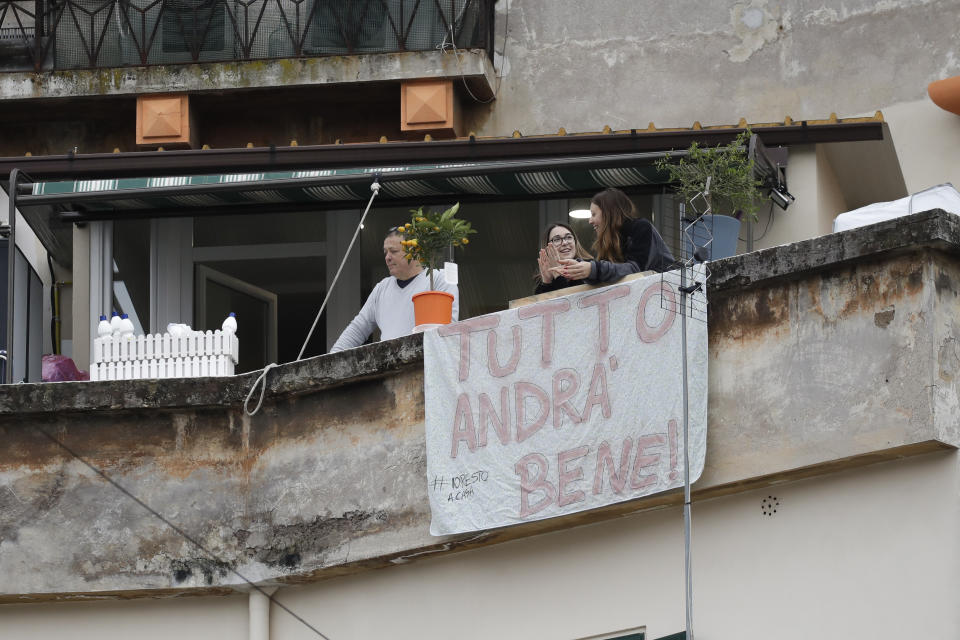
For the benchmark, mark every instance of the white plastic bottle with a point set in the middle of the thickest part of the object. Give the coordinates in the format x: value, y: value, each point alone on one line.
x: 115, y: 323
x: 103, y: 329
x: 126, y: 326
x: 230, y: 323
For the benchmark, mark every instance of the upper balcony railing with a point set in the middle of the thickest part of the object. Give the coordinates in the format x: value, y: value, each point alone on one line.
x: 44, y: 35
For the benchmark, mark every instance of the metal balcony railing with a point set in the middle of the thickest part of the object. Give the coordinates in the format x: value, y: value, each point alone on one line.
x: 40, y: 35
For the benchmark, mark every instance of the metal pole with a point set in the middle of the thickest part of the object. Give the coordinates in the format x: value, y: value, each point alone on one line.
x: 105, y: 229
x: 375, y: 189
x: 687, y: 557
x: 688, y: 570
x: 11, y: 265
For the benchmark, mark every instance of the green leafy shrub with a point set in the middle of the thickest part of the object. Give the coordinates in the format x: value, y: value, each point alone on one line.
x: 733, y: 185
x: 428, y: 234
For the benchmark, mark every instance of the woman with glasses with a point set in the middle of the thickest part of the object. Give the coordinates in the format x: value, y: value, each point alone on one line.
x: 625, y: 244
x: 559, y: 243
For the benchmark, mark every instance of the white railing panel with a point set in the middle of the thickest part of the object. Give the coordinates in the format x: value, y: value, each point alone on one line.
x: 196, y: 354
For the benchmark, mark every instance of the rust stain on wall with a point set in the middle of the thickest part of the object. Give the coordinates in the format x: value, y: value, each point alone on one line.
x: 751, y: 316
x: 870, y: 287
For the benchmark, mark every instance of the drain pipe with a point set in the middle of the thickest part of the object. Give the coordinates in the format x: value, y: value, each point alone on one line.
x: 259, y: 613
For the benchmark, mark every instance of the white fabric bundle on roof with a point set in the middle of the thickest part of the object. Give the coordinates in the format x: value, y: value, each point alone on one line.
x: 942, y: 196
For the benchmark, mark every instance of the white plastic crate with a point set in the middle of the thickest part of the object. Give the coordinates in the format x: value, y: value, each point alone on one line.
x: 196, y: 354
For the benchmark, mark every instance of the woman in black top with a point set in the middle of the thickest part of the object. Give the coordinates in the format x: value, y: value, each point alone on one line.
x: 625, y: 244
x: 559, y: 243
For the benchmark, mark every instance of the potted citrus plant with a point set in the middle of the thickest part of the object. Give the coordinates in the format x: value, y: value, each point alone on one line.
x: 425, y: 239
x: 735, y: 191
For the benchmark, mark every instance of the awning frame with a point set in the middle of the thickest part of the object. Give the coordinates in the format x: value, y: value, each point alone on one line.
x: 73, y: 166
x: 78, y: 199
x: 471, y: 156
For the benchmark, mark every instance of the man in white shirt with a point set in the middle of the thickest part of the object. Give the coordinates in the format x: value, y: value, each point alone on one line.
x: 390, y: 305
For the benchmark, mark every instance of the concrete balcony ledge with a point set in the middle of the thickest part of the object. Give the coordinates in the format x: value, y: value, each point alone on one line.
x: 826, y: 354
x: 291, y: 379
x: 473, y: 65
x: 934, y: 229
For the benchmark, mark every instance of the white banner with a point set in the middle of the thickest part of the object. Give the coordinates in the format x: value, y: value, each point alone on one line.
x: 562, y: 406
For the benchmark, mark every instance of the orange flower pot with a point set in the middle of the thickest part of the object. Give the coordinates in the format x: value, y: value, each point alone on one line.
x: 433, y: 307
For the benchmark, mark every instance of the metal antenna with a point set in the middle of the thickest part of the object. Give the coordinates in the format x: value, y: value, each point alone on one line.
x: 687, y: 556
x: 689, y: 279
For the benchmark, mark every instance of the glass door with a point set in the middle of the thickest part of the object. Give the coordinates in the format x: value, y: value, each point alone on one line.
x: 217, y: 294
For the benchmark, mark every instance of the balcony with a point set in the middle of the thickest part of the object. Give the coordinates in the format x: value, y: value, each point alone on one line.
x: 329, y: 478
x: 93, y: 34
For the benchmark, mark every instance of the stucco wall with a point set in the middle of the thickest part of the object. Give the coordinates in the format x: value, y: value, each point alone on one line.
x: 855, y: 555
x: 927, y: 140
x: 863, y: 553
x: 629, y: 62
x: 151, y: 619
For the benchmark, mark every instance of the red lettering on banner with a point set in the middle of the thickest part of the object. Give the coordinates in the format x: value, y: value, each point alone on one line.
x: 618, y: 478
x: 464, y: 329
x: 562, y: 396
x: 522, y: 391
x: 493, y: 363
x: 602, y: 302
x: 566, y: 476
x: 547, y: 310
x: 529, y: 484
x: 644, y: 331
x: 641, y: 462
x: 463, y: 427
x: 488, y: 415
x: 534, y: 471
x: 598, y: 394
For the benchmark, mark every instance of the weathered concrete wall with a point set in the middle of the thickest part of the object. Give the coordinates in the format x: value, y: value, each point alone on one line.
x: 866, y: 553
x: 825, y: 354
x: 581, y: 65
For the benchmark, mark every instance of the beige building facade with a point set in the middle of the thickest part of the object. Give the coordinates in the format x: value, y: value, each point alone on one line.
x: 829, y: 505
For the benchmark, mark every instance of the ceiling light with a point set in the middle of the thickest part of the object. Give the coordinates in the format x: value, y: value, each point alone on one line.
x: 580, y: 214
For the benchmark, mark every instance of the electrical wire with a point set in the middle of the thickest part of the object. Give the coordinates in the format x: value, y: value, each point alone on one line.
x: 183, y: 534
x: 769, y: 220
x: 452, y: 47
x: 765, y: 229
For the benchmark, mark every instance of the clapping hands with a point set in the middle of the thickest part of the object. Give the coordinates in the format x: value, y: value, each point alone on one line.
x: 573, y: 269
x: 549, y: 262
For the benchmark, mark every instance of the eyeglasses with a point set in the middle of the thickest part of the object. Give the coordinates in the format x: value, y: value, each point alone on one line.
x: 559, y: 240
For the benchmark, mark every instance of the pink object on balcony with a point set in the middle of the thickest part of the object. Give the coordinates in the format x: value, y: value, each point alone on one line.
x: 60, y: 369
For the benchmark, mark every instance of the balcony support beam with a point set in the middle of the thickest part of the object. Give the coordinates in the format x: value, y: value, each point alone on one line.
x: 474, y: 68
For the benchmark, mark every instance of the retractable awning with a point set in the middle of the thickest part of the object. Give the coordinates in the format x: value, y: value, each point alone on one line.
x: 82, y: 200
x: 51, y: 207
x: 55, y: 191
